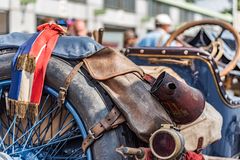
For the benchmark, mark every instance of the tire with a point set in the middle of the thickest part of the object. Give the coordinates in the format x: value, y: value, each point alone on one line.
x: 90, y: 101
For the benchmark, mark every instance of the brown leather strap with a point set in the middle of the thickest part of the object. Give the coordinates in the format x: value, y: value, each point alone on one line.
x: 63, y: 90
x: 199, y: 145
x: 112, y: 120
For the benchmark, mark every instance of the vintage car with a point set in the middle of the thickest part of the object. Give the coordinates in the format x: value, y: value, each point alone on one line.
x: 208, y: 61
x: 96, y: 103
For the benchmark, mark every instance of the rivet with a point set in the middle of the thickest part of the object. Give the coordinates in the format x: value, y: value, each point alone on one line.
x: 220, y: 83
x: 141, y: 51
x: 226, y: 96
x: 163, y: 51
x: 198, y: 53
x: 185, y: 52
x: 127, y: 50
x: 231, y: 101
x: 216, y: 70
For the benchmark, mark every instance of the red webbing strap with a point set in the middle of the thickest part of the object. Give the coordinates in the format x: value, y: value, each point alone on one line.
x: 193, y: 156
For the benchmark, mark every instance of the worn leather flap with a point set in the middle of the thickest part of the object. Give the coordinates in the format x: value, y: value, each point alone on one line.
x: 108, y: 63
x: 144, y: 114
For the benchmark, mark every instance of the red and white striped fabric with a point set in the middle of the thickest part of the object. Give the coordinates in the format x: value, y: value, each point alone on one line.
x: 29, y: 68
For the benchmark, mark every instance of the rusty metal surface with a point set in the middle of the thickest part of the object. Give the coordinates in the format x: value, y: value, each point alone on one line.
x: 184, y: 103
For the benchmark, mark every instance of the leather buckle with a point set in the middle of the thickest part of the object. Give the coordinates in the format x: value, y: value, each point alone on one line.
x: 92, y: 134
x: 62, y: 95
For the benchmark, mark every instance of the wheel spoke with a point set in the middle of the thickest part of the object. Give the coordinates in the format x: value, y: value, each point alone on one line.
x: 30, y: 134
x: 78, y: 151
x: 6, y: 134
x: 55, y: 135
x: 47, y: 145
x: 46, y: 129
x: 38, y: 122
x: 50, y: 140
x: 13, y: 135
x: 1, y: 140
x: 55, y: 151
x: 220, y: 34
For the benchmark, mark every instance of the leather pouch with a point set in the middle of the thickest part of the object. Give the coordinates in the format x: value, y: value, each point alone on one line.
x: 108, y: 63
x: 122, y: 80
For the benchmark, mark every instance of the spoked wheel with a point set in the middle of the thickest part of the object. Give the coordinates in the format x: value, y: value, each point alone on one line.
x: 57, y: 134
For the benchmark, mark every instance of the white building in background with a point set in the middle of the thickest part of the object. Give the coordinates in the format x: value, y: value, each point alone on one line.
x: 114, y: 15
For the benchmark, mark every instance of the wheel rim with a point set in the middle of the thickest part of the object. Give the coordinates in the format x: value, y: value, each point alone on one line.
x: 57, y: 134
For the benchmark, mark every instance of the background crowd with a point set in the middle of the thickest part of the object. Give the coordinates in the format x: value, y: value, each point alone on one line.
x: 155, y: 38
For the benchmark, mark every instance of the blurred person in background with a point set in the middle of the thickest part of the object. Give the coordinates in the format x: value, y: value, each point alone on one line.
x: 70, y: 27
x: 160, y: 35
x: 130, y: 38
x: 49, y: 20
x: 79, y: 28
